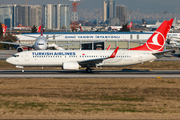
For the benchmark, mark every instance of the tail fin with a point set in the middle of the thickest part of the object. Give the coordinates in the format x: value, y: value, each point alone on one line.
x: 80, y: 29
x: 4, y: 29
x: 143, y: 21
x: 130, y: 25
x: 174, y: 22
x: 39, y: 29
x: 42, y: 27
x: 157, y: 40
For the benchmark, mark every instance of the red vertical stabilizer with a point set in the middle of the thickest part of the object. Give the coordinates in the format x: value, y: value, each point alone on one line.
x: 158, y: 38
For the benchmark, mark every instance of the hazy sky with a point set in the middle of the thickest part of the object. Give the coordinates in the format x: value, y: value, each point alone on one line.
x: 145, y: 6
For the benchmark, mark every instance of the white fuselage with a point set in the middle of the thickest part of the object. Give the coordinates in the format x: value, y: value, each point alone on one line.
x: 56, y: 58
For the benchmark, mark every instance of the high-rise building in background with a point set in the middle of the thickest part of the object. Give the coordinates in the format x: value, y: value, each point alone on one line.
x: 20, y: 15
x: 25, y: 15
x: 35, y: 14
x: 121, y: 13
x: 54, y: 16
x: 104, y: 11
x: 58, y: 16
x: 111, y: 9
x: 112, y: 13
x: 48, y: 16
x: 64, y: 17
x: 6, y: 15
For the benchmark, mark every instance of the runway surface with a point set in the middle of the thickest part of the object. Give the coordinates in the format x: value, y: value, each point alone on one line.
x: 95, y: 74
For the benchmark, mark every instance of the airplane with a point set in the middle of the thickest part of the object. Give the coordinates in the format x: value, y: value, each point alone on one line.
x: 153, y: 27
x: 118, y: 28
x: 40, y: 43
x: 74, y: 59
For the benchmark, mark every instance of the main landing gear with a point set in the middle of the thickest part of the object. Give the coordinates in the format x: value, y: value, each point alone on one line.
x: 88, y: 70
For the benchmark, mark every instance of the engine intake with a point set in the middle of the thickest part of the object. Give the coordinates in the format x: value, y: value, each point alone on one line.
x: 19, y: 49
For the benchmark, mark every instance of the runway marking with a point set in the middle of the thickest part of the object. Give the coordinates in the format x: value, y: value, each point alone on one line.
x: 158, y: 77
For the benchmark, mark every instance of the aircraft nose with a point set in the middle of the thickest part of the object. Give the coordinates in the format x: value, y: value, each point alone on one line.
x: 9, y: 60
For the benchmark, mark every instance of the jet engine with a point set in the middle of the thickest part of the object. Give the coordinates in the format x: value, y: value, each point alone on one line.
x: 19, y: 49
x: 70, y: 66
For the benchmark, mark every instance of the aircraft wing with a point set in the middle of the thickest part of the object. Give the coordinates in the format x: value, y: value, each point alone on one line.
x: 98, y: 60
x: 31, y: 36
x: 27, y: 45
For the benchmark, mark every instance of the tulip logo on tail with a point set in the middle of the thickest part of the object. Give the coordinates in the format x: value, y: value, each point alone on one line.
x: 4, y: 30
x: 156, y: 42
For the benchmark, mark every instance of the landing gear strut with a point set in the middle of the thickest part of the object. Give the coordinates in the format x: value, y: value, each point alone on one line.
x: 88, y: 70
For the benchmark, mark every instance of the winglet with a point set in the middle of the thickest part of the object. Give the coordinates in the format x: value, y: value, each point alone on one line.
x: 114, y: 53
x: 108, y: 47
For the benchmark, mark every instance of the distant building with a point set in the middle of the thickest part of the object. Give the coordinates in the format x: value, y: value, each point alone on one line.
x: 48, y: 16
x: 111, y: 9
x: 121, y: 13
x: 104, y: 11
x: 64, y: 17
x: 113, y: 22
x: 15, y: 15
x: 35, y: 14
x: 56, y: 16
x: 6, y: 15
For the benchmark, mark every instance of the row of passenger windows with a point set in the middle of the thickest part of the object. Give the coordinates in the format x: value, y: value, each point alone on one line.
x: 80, y: 56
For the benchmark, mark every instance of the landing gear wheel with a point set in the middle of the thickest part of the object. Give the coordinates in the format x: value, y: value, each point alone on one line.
x: 88, y: 70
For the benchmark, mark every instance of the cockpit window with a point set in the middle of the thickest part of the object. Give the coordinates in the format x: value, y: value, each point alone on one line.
x: 15, y: 55
x: 40, y: 43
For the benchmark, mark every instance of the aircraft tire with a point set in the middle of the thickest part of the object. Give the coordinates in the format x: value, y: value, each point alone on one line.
x: 88, y: 70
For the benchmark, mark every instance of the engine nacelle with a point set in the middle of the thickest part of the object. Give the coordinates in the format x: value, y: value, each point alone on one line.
x: 19, y: 49
x: 173, y: 51
x: 70, y: 66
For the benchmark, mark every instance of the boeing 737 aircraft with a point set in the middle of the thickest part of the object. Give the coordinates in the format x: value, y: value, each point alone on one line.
x: 73, y: 59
